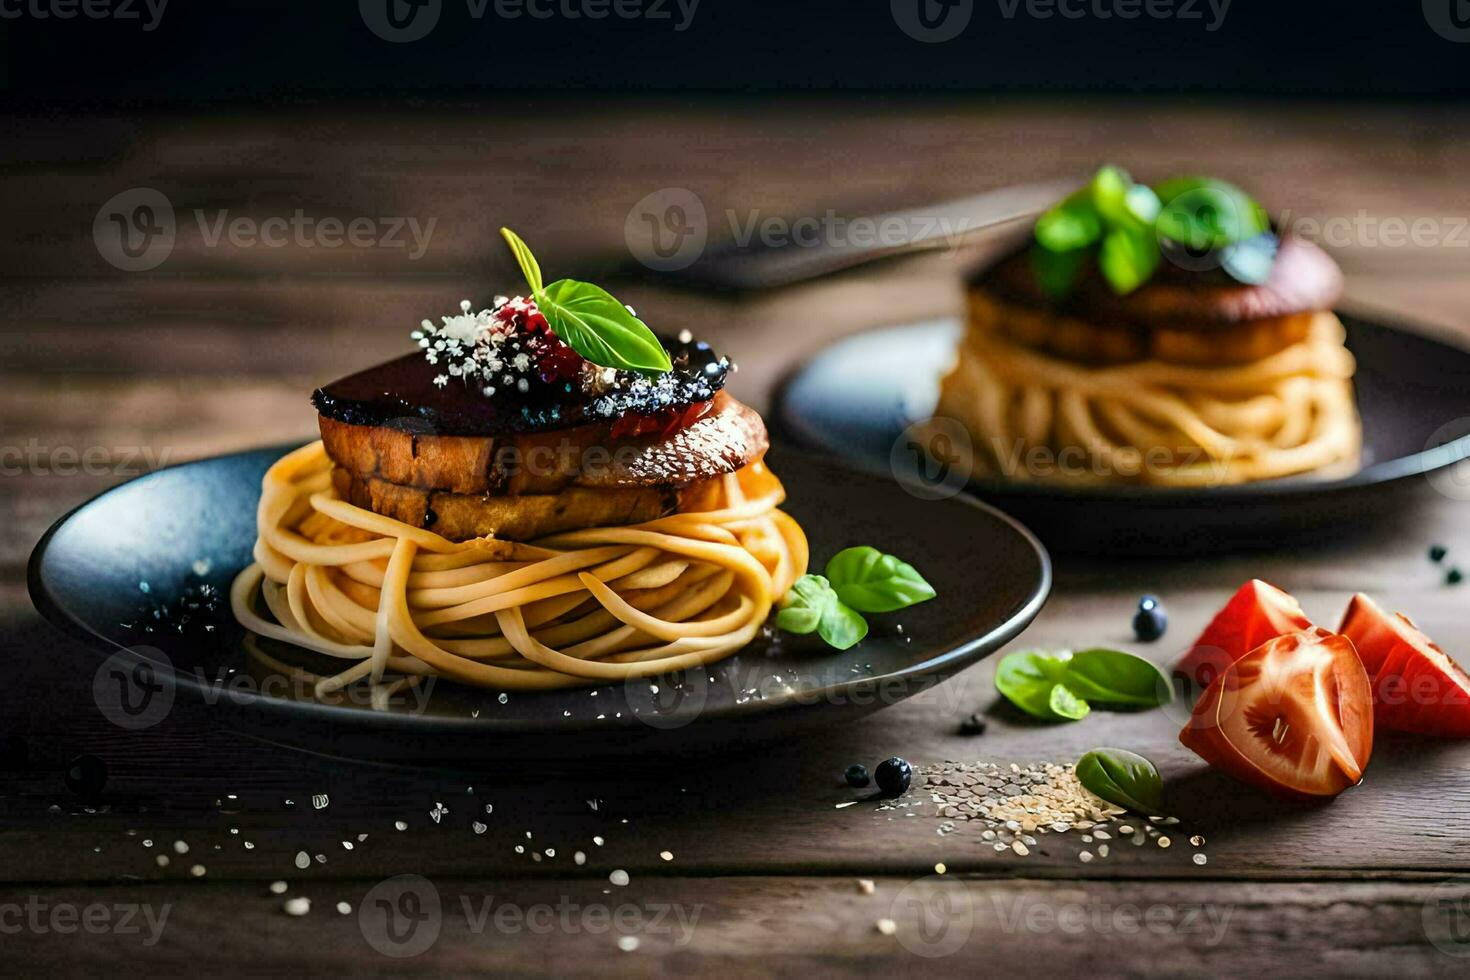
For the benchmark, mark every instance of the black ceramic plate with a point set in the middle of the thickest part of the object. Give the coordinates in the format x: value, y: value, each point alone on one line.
x: 856, y: 399
x: 141, y: 573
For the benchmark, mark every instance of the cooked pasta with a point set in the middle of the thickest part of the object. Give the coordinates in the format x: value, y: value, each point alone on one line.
x: 579, y: 607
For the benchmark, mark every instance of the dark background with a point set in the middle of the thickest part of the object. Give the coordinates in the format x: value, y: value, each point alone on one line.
x: 203, y: 52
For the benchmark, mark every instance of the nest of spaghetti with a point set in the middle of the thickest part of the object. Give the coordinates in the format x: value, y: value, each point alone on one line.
x: 575, y: 533
x: 1193, y: 379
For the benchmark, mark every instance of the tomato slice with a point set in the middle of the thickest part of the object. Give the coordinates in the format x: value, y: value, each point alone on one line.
x: 1416, y: 686
x: 1294, y: 716
x: 1256, y: 613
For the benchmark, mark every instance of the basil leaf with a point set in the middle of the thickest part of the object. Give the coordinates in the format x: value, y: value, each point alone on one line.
x: 592, y: 322
x: 1122, y: 778
x: 1109, y: 192
x: 1072, y: 224
x: 840, y: 626
x: 870, y: 581
x: 1028, y: 679
x: 1143, y: 205
x: 1057, y: 271
x: 1113, y: 677
x: 1203, y: 213
x: 1127, y: 259
x: 1065, y: 704
x: 806, y: 600
x: 812, y: 606
x: 530, y: 268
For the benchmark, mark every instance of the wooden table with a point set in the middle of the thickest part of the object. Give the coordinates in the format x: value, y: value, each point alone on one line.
x: 216, y: 349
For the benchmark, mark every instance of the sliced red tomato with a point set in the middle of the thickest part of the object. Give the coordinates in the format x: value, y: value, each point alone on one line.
x: 1294, y: 717
x: 1416, y: 686
x: 1256, y: 613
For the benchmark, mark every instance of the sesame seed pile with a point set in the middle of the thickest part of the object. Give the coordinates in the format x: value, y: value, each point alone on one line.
x: 1016, y: 805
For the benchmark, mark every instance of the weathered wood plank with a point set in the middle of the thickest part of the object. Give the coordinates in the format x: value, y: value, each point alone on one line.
x: 760, y: 926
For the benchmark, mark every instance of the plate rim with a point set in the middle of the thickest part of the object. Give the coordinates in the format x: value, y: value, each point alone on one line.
x: 356, y: 719
x: 1375, y: 475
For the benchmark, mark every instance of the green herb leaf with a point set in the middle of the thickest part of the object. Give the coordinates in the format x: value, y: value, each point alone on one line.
x: 1128, y: 258
x: 1113, y: 677
x: 1072, y: 224
x: 1109, y: 192
x: 1203, y: 213
x: 1029, y: 679
x: 1065, y: 704
x: 589, y: 319
x: 841, y: 627
x: 1057, y: 271
x: 869, y: 581
x: 1123, y: 778
x: 529, y: 266
x: 592, y: 322
x: 805, y: 602
x: 812, y: 606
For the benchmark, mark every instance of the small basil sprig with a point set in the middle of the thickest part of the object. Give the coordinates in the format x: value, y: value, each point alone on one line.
x: 1125, y: 227
x: 590, y: 320
x: 857, y: 580
x: 812, y: 606
x: 1063, y: 686
x: 1122, y: 778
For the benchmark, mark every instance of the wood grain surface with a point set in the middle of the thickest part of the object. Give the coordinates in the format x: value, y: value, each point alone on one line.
x: 105, y: 374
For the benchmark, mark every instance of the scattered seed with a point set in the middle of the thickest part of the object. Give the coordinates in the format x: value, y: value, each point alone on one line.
x: 939, y: 868
x: 1102, y: 851
x: 887, y: 927
x: 1019, y: 848
x: 627, y: 943
x: 345, y: 908
x: 278, y: 888
x: 866, y: 886
x: 618, y: 877
x: 303, y: 860
x: 579, y: 858
x: 297, y: 906
x: 161, y: 860
x: 1164, y: 842
x: 197, y: 871
x: 399, y: 825
x: 1084, y: 856
x: 180, y: 847
x: 1200, y: 859
x: 1197, y: 840
x: 666, y: 855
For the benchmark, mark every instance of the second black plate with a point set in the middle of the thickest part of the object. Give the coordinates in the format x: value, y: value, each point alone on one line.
x: 857, y: 398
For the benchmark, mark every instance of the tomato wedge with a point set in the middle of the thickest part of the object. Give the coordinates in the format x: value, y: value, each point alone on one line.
x: 1256, y: 613
x: 1294, y: 716
x: 1416, y: 686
